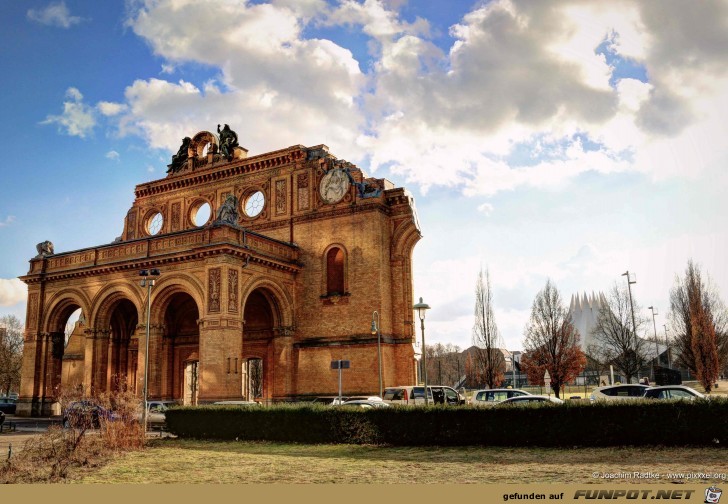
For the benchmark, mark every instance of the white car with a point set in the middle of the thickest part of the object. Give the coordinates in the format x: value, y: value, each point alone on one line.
x: 156, y: 412
x: 491, y: 397
x: 673, y: 392
x: 530, y: 399
x: 618, y: 392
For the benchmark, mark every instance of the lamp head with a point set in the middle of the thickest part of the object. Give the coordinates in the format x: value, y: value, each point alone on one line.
x: 374, y: 327
x: 421, y: 308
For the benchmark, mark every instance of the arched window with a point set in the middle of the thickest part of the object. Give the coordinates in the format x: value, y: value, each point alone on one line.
x: 335, y: 271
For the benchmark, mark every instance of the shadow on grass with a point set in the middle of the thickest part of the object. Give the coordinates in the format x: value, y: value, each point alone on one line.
x: 473, y: 454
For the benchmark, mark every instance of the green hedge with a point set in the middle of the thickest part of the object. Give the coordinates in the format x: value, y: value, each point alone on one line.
x: 669, y: 423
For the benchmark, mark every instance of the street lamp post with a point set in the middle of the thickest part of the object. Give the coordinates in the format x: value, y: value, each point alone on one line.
x: 148, y: 283
x: 657, y: 348
x: 421, y: 308
x: 377, y: 330
x: 630, y: 281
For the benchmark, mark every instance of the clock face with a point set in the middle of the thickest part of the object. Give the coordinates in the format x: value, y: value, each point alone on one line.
x: 334, y: 185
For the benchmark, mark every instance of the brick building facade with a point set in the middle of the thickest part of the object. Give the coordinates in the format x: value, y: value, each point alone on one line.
x: 300, y: 248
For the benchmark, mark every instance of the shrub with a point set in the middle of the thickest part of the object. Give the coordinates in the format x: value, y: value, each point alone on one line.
x: 670, y: 423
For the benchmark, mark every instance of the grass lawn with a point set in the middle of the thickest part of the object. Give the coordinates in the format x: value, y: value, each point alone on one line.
x: 186, y: 461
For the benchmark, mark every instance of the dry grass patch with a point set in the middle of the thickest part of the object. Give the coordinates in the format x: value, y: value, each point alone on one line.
x: 185, y: 461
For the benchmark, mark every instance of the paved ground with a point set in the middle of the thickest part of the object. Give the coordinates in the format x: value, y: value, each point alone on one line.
x: 17, y: 430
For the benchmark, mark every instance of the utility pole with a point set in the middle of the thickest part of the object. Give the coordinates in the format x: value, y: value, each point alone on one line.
x: 657, y: 348
x: 631, y: 305
x: 667, y: 341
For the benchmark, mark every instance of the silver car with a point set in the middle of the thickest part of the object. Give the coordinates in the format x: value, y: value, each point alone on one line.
x: 491, y: 397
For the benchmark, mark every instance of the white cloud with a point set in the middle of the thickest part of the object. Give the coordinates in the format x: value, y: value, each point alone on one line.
x: 486, y: 208
x: 78, y: 119
x: 12, y: 291
x: 298, y: 90
x: 8, y: 220
x: 55, y: 14
x: 110, y: 108
x: 113, y: 155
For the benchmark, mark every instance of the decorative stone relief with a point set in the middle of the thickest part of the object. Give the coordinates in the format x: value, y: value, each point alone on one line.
x: 176, y: 213
x: 213, y: 290
x: 303, y: 193
x: 232, y: 291
x: 33, y: 311
x: 334, y: 185
x: 280, y: 197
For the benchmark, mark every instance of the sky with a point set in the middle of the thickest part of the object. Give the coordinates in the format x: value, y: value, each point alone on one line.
x: 561, y: 140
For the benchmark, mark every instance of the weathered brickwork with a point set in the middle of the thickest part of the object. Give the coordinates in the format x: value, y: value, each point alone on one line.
x: 247, y: 305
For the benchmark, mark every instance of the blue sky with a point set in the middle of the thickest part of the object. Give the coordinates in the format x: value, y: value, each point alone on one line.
x: 556, y: 140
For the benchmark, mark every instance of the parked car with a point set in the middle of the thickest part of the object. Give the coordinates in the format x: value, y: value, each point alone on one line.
x: 365, y: 404
x: 330, y: 400
x: 673, y: 392
x: 7, y: 405
x: 87, y: 414
x: 156, y: 412
x: 243, y: 404
x: 530, y: 399
x: 491, y: 397
x: 410, y: 395
x: 618, y: 392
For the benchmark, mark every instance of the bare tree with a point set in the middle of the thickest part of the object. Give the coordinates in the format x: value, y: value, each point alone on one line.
x: 552, y: 341
x: 685, y: 293
x: 255, y: 377
x: 618, y: 343
x: 444, y: 363
x: 596, y: 367
x: 11, y: 353
x: 489, y: 361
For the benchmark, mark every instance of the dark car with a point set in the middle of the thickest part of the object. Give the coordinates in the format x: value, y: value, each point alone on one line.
x: 7, y: 405
x: 87, y: 414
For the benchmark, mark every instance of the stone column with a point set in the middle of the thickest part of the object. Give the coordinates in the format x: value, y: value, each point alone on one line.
x: 281, y: 377
x: 30, y: 377
x: 220, y: 344
x: 154, y: 389
x: 88, y: 359
x: 101, y: 361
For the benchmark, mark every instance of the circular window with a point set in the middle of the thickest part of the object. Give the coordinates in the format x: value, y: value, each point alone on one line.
x: 154, y: 223
x: 254, y: 204
x: 202, y: 214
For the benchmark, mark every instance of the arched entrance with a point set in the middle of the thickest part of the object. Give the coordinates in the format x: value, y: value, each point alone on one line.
x: 123, y: 347
x: 260, y: 317
x: 60, y: 329
x: 180, y: 350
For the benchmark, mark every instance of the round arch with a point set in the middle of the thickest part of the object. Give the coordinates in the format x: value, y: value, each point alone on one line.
x: 335, y: 263
x: 106, y: 300
x: 165, y: 289
x: 60, y: 306
x: 280, y: 300
x: 200, y: 141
